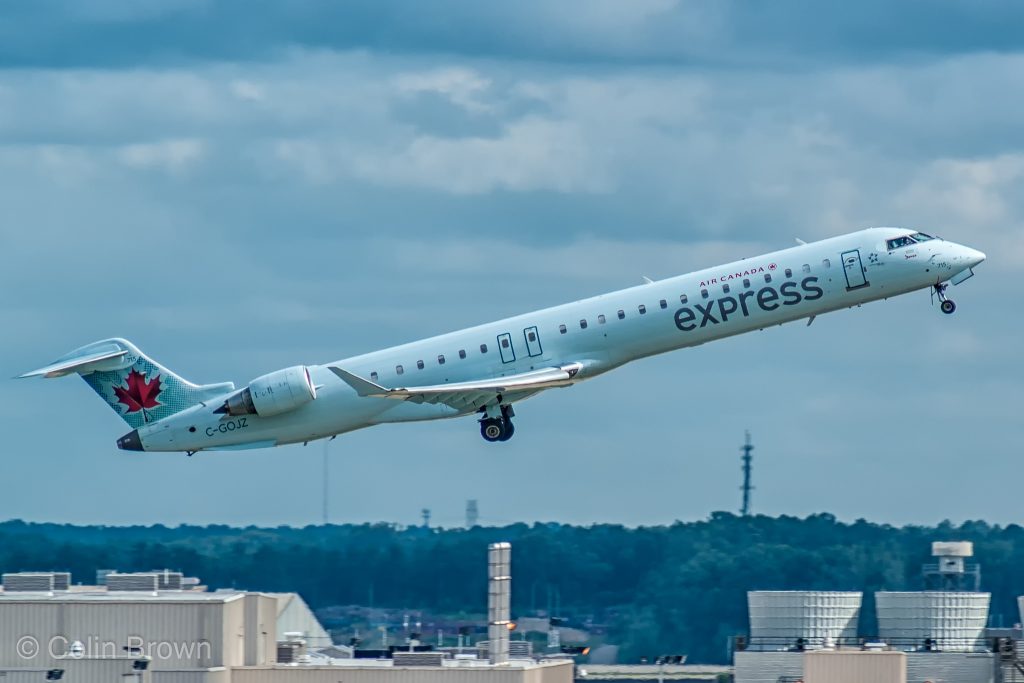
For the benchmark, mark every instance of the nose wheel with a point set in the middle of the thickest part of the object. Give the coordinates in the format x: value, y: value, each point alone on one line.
x: 945, y: 305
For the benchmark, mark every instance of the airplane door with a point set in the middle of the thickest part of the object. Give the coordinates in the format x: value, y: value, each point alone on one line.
x: 508, y: 354
x: 854, y: 270
x: 532, y: 341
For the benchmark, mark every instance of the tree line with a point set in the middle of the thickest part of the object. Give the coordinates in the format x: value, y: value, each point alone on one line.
x: 674, y: 588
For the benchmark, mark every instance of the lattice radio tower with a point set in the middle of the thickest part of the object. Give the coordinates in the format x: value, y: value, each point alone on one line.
x: 746, y: 448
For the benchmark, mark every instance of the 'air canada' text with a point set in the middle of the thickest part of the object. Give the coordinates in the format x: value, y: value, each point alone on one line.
x: 766, y: 298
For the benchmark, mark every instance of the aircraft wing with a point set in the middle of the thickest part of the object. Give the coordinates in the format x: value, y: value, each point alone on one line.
x: 466, y: 395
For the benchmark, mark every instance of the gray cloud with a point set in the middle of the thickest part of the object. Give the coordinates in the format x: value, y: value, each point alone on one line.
x: 236, y: 202
x: 792, y: 34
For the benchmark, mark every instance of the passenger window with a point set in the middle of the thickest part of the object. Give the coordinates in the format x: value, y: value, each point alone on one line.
x: 789, y: 272
x: 419, y: 365
x: 682, y: 298
x: 767, y: 277
x: 827, y: 263
x: 373, y: 375
x: 561, y: 329
x: 483, y: 348
x: 663, y: 303
x: 807, y: 268
x: 583, y: 324
x: 504, y: 342
x: 725, y: 288
x: 462, y: 353
x: 621, y: 314
x: 746, y: 283
x: 399, y: 369
x: 440, y: 360
x: 642, y: 309
x: 704, y: 294
x: 532, y: 336
x: 600, y: 319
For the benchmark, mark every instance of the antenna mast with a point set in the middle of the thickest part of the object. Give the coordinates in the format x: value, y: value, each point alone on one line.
x: 326, y: 481
x: 747, y: 487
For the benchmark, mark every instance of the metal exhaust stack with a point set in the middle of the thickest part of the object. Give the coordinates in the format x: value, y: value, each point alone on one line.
x: 499, y: 598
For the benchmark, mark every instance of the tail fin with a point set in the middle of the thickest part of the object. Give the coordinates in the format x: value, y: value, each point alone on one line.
x: 138, y: 388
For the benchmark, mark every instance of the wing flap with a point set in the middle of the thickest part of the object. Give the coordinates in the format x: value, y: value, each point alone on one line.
x: 466, y: 395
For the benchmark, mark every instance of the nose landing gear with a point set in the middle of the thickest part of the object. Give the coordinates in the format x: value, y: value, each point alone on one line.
x: 946, y: 305
x: 498, y: 428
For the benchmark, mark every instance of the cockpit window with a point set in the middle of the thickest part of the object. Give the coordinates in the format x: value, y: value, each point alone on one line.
x: 900, y: 242
x: 908, y: 240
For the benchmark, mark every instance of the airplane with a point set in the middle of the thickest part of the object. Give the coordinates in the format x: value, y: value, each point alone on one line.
x: 486, y: 370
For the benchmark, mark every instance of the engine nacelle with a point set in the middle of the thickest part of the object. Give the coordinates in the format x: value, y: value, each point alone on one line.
x: 273, y: 394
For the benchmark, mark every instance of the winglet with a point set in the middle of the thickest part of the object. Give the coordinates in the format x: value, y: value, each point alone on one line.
x: 363, y: 387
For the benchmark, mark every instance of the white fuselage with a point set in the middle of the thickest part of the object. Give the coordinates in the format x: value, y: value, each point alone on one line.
x: 601, y: 333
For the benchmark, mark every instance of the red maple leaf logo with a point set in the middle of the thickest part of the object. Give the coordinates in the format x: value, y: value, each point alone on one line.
x: 139, y: 394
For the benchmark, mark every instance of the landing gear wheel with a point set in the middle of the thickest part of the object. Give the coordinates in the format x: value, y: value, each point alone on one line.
x: 493, y: 429
x: 510, y: 429
x: 947, y: 306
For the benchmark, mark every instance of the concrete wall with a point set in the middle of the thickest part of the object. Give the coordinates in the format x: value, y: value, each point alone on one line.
x: 950, y: 666
x: 176, y: 635
x: 260, y: 629
x: 560, y: 672
x: 767, y: 667
x: 854, y: 666
x: 84, y: 671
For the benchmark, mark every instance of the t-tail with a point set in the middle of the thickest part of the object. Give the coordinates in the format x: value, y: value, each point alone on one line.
x: 138, y: 388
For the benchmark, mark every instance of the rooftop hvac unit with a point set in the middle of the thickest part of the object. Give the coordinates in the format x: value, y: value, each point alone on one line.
x: 289, y: 652
x: 36, y: 581
x: 418, y: 658
x: 780, y: 620
x: 146, y: 582
x: 168, y: 580
x: 944, y: 620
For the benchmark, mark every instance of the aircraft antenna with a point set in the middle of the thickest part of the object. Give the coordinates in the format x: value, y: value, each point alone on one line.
x: 746, y: 448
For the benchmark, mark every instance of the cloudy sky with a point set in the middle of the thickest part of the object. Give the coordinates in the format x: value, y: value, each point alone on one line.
x: 239, y: 190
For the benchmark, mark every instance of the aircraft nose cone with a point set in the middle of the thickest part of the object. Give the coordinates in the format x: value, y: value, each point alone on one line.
x: 130, y: 441
x: 974, y: 257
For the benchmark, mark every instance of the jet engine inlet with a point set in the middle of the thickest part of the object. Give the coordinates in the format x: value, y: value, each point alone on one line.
x: 273, y: 394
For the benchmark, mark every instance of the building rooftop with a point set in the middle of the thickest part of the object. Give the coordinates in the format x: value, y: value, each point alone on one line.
x: 101, y: 594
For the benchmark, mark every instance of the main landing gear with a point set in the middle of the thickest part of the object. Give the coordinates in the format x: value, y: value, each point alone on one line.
x: 946, y: 305
x: 497, y: 427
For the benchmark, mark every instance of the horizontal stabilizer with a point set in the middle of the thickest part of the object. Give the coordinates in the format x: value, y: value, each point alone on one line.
x: 138, y: 388
x: 84, y: 363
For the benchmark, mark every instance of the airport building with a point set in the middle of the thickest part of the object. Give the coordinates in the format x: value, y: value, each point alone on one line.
x: 938, y: 634
x: 160, y: 627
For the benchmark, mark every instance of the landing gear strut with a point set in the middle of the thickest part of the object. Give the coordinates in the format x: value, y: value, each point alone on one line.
x: 946, y: 306
x: 498, y: 428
